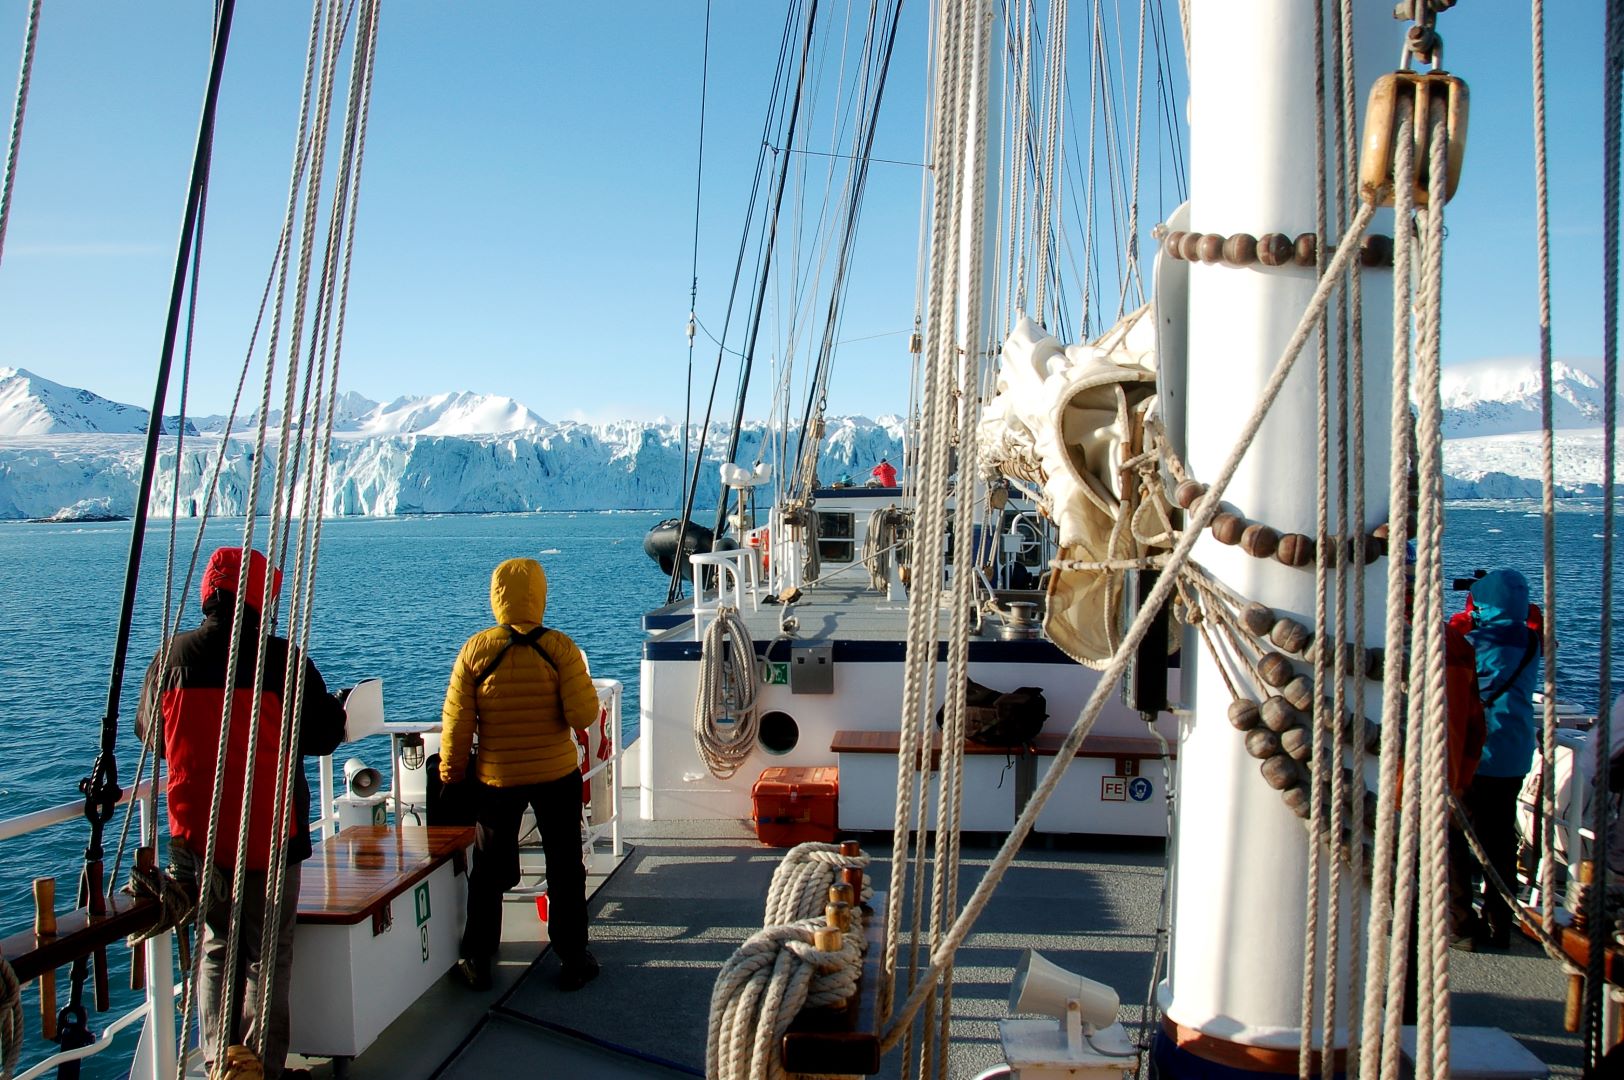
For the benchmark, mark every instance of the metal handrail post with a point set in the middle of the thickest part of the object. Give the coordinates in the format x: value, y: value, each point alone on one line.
x: 157, y: 1050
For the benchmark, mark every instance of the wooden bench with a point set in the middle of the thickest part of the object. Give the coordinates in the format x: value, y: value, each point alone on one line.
x: 1106, y: 790
x: 380, y: 916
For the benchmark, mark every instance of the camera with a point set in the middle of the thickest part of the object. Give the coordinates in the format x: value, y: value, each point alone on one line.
x: 1461, y: 584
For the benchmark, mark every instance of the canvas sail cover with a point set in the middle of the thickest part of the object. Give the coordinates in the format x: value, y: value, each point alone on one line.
x: 1070, y: 420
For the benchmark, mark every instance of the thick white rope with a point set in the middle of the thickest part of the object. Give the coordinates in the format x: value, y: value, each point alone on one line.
x: 769, y: 979
x: 1542, y: 233
x: 727, y: 688
x: 1432, y: 1054
x: 315, y: 486
x: 801, y: 881
x: 950, y: 793
x: 24, y: 77
x: 1324, y: 657
x: 918, y: 689
x: 1380, y: 918
x: 1201, y: 517
x: 205, y: 886
x: 281, y: 511
x: 1354, y: 524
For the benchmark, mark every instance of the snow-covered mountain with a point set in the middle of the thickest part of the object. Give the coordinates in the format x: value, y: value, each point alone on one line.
x: 1499, y: 397
x: 31, y: 405
x: 450, y: 453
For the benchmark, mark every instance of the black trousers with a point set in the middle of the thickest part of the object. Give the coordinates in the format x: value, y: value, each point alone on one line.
x: 1491, y: 807
x: 557, y: 804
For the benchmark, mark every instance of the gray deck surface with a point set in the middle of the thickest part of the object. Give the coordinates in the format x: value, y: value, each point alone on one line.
x: 691, y: 891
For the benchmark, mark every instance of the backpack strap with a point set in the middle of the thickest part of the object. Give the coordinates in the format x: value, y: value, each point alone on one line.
x: 532, y: 639
x: 1529, y: 653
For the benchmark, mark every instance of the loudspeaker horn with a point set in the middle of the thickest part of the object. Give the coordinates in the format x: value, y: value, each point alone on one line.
x: 360, y: 779
x: 1042, y: 986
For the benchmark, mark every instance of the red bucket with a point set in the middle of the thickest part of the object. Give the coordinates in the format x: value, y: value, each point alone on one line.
x: 541, y: 907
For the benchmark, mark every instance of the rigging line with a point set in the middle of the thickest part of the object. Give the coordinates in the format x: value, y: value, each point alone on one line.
x: 101, y: 787
x: 25, y: 76
x: 791, y: 19
x: 848, y: 239
x: 1594, y: 982
x: 310, y: 100
x: 1138, y: 155
x: 171, y: 613
x: 849, y: 157
x: 364, y: 66
x: 693, y: 286
x: 1542, y: 233
x: 767, y: 257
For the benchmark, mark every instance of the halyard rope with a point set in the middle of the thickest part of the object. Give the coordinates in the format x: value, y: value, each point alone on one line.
x: 1202, y: 516
x: 24, y: 77
x: 1542, y: 233
x: 1432, y: 1052
x: 918, y: 689
x: 1381, y: 889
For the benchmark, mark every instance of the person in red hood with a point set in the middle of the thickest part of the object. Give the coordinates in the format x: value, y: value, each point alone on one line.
x: 884, y: 474
x: 183, y: 699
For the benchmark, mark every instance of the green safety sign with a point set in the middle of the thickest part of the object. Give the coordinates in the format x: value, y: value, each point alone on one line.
x: 777, y: 673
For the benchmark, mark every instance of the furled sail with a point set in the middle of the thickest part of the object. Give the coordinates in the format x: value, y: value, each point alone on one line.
x: 1071, y: 420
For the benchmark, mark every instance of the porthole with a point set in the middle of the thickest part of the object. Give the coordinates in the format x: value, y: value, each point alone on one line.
x: 779, y: 733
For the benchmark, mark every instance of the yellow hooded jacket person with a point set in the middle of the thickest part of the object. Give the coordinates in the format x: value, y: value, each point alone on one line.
x: 525, y: 708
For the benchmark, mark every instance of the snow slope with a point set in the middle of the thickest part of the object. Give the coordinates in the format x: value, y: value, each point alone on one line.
x: 31, y: 405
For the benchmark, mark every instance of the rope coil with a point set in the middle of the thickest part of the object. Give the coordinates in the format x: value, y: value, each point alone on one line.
x: 761, y: 988
x: 727, y: 689
x: 800, y: 884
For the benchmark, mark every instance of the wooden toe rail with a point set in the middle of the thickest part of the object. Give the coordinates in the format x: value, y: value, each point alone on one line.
x: 844, y: 1041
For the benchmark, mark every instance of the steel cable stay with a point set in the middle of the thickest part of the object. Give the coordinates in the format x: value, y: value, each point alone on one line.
x: 791, y: 21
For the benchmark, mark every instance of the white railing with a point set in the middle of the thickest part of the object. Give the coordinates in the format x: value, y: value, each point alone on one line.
x: 154, y: 1056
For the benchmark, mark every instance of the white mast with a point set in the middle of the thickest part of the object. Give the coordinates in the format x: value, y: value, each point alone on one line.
x: 1242, y: 855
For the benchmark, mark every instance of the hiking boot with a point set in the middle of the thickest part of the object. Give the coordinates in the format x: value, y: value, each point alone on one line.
x: 577, y: 973
x: 474, y: 974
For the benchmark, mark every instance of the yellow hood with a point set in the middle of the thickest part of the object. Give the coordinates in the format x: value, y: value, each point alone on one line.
x: 519, y: 592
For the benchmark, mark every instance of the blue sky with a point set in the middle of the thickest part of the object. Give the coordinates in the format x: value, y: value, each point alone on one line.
x: 527, y: 207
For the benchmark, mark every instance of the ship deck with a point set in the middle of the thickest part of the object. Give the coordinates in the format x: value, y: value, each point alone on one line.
x: 664, y: 920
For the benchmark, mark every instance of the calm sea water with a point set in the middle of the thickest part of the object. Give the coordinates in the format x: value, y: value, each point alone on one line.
x: 397, y: 597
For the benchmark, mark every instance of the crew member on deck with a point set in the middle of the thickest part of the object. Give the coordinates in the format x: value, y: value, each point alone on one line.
x: 521, y: 687
x: 1506, y: 676
x: 185, y: 687
x: 885, y: 474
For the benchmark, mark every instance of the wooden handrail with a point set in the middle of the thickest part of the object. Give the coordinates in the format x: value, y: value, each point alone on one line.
x: 78, y: 933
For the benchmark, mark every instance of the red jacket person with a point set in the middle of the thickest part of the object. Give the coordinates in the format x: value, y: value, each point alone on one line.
x: 186, y: 689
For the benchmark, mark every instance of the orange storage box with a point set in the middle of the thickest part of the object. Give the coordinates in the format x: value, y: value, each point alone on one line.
x: 794, y: 806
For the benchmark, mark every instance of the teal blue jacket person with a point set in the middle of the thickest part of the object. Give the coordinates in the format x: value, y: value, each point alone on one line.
x: 1507, y: 671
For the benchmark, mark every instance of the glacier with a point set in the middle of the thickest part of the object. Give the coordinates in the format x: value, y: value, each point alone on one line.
x: 568, y: 466
x: 70, y: 454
